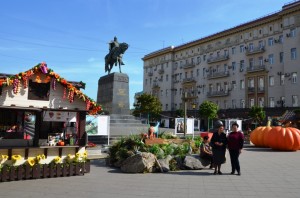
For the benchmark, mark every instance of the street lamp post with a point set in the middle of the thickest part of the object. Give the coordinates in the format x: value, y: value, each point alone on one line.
x: 194, y: 107
x: 184, y: 99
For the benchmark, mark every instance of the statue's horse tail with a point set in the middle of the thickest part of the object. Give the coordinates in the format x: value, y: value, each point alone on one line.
x: 106, y: 63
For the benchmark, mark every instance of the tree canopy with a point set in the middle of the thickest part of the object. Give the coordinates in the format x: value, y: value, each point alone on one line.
x: 208, y: 109
x: 179, y: 112
x: 257, y: 114
x: 147, y: 104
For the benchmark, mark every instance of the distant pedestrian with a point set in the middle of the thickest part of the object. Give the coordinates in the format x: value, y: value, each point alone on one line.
x: 218, y: 143
x: 235, y: 145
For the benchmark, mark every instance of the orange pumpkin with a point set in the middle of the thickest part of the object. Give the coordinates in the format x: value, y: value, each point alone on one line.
x: 257, y: 136
x: 284, y: 139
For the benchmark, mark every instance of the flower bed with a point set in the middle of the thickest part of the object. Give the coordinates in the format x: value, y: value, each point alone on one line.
x: 39, y: 171
x: 34, y: 168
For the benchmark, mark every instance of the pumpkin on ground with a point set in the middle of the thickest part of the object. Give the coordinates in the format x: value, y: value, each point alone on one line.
x: 257, y: 136
x: 284, y: 139
x: 267, y: 130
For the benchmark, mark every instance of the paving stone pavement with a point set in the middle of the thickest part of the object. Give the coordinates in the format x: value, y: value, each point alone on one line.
x: 265, y: 173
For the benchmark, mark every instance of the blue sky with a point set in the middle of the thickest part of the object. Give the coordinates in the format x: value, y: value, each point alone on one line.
x: 72, y: 36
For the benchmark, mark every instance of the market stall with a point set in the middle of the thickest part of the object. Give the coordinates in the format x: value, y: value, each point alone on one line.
x: 42, y: 120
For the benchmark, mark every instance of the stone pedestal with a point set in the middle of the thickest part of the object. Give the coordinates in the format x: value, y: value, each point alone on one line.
x: 113, y: 93
x: 113, y: 96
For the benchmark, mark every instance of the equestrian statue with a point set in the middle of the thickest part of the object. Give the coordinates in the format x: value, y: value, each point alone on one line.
x: 115, y: 54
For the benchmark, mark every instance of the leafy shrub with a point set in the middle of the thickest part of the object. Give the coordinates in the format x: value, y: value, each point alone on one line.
x: 166, y: 135
x: 168, y: 149
x: 126, y: 147
x: 173, y: 165
x: 198, y: 140
x: 181, y: 150
x: 154, y: 149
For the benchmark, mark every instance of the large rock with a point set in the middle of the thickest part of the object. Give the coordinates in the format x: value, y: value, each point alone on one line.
x: 192, y: 163
x: 165, y: 163
x: 139, y: 163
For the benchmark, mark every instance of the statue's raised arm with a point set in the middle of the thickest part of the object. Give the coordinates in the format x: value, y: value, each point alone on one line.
x: 115, y: 54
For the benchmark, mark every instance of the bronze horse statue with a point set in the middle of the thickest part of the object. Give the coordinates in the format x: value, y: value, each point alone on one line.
x: 114, y: 57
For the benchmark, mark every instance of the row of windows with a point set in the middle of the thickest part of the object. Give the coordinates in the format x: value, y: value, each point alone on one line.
x: 291, y: 76
x: 250, y: 47
x: 260, y: 103
x: 270, y: 59
x: 252, y: 64
x: 261, y: 60
x: 232, y: 86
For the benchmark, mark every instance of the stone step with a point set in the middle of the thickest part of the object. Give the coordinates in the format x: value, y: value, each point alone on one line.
x: 120, y: 121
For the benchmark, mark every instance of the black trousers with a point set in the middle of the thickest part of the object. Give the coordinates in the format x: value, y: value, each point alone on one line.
x: 234, y: 158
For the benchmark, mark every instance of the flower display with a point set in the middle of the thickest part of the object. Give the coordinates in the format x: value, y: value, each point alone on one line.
x: 57, y: 160
x: 91, y: 106
x: 3, y: 158
x: 80, y: 157
x: 69, y: 158
x: 15, y: 158
x: 31, y: 161
x: 39, y: 158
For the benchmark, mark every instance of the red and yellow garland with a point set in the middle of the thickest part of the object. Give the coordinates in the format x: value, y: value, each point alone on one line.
x: 52, y: 77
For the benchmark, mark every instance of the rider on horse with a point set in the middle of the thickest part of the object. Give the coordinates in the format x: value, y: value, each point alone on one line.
x: 113, y: 45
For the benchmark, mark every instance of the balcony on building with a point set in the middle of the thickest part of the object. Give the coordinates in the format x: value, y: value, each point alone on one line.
x: 220, y: 93
x: 261, y: 90
x: 218, y: 75
x: 191, y: 95
x: 188, y: 80
x: 251, y: 90
x: 256, y: 68
x: 189, y: 65
x: 161, y: 71
x: 218, y: 58
x: 176, y: 81
x: 155, y: 85
x: 150, y: 73
x: 255, y: 50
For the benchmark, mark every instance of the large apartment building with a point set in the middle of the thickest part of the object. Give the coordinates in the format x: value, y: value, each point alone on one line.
x: 255, y: 63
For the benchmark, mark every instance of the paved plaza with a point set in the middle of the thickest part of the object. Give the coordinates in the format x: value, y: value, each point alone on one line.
x: 265, y: 173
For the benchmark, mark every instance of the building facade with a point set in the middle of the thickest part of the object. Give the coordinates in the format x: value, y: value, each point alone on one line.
x: 253, y: 64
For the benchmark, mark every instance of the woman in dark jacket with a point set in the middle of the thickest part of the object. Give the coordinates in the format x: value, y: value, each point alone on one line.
x: 235, y: 145
x: 219, y: 143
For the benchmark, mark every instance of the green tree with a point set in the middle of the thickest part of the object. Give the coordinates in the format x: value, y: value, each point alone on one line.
x: 179, y: 112
x: 208, y: 110
x: 147, y: 104
x: 257, y: 114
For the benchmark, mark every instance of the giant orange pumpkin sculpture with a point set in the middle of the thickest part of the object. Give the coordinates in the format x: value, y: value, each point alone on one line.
x: 257, y: 136
x: 285, y: 139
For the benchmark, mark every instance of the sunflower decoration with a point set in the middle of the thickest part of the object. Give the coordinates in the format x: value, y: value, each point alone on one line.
x: 31, y: 161
x: 78, y: 157
x: 57, y: 160
x: 69, y: 158
x: 39, y: 158
x: 3, y: 158
x: 16, y: 158
x: 84, y: 155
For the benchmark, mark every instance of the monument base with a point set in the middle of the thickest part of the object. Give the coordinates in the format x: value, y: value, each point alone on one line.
x: 113, y: 93
x: 113, y: 96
